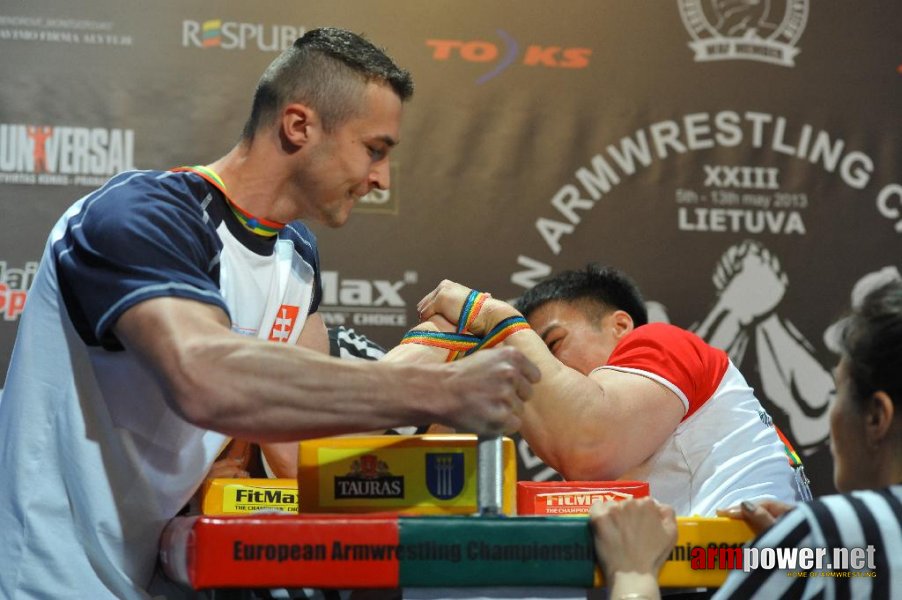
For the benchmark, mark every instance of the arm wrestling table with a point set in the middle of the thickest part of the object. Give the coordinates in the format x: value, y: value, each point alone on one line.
x: 388, y: 551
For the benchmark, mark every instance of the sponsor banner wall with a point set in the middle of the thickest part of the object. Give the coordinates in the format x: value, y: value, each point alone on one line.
x: 735, y: 159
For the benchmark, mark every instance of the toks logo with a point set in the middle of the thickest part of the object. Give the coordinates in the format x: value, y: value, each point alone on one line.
x: 14, y: 284
x: 509, y: 53
x: 238, y: 36
x: 49, y: 155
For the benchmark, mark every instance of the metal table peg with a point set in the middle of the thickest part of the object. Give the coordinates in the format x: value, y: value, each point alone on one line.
x: 489, y: 475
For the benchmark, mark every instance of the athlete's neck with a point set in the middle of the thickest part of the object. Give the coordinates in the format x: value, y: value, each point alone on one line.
x: 258, y: 179
x: 253, y: 223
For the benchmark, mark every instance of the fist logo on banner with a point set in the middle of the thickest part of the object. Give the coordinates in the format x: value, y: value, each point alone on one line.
x: 766, y: 31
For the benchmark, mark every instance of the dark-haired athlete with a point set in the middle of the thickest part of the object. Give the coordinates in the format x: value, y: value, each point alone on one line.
x: 621, y: 398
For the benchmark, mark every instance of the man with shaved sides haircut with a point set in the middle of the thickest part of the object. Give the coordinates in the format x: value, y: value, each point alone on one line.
x: 174, y: 310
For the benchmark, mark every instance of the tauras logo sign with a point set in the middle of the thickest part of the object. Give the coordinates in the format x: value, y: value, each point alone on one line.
x: 369, y: 477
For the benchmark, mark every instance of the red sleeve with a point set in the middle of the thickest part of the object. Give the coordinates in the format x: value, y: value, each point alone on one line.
x: 677, y: 356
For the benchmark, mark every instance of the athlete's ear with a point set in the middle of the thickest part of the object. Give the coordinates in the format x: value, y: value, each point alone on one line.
x: 878, y: 418
x: 299, y: 123
x: 622, y: 323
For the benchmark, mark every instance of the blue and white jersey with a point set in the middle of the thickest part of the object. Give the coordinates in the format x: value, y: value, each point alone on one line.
x: 94, y: 461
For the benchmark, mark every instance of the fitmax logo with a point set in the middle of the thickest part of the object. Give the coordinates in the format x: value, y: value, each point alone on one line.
x: 509, y: 53
x: 227, y: 35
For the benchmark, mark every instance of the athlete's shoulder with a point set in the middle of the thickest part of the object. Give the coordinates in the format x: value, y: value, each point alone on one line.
x: 677, y: 356
x: 303, y: 238
x: 670, y: 339
x: 184, y: 185
x: 149, y: 190
x: 135, y: 208
x: 666, y: 331
x: 298, y: 231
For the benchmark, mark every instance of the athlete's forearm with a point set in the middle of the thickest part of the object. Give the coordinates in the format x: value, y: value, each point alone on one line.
x: 269, y: 392
x: 273, y: 392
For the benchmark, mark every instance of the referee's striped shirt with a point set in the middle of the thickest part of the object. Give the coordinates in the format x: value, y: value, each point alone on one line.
x: 855, y: 520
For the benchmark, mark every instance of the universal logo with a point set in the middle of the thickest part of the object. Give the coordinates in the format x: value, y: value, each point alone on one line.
x: 369, y: 477
x: 762, y: 30
x: 62, y: 155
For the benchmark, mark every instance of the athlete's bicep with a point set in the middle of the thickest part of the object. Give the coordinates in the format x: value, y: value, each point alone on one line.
x: 163, y: 331
x: 645, y: 411
x: 130, y: 243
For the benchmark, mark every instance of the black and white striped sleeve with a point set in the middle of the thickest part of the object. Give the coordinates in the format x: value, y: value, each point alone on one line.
x: 864, y: 519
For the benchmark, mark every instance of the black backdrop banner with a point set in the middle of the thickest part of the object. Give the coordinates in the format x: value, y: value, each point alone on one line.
x: 735, y: 160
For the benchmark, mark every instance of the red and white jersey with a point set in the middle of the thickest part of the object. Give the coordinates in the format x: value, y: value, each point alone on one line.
x: 725, y: 449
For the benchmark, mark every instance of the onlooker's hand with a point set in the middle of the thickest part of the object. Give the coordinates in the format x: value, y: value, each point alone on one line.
x: 632, y: 536
x: 759, y: 515
x: 489, y: 389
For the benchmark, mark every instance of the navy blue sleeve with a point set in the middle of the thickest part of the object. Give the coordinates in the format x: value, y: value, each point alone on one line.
x: 305, y: 243
x: 142, y: 235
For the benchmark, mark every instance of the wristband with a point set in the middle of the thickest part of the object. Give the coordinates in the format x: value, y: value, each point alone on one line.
x: 469, y: 311
x: 500, y: 332
x: 455, y: 342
